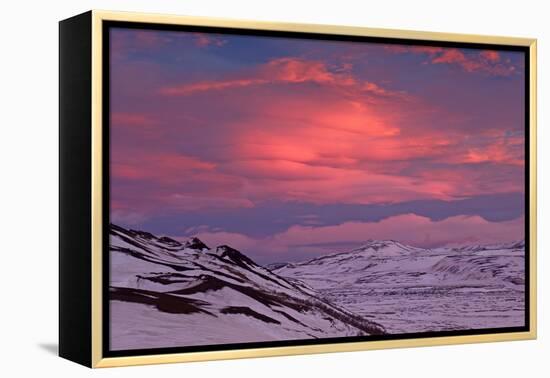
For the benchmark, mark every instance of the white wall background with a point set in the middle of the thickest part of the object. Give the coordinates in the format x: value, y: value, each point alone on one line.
x: 28, y: 211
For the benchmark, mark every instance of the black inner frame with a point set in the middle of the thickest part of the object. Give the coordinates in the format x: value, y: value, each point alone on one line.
x: 107, y: 25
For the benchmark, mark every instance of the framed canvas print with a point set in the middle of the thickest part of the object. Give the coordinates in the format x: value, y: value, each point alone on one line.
x: 237, y: 189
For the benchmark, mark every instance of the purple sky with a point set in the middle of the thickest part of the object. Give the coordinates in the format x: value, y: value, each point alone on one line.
x: 288, y: 148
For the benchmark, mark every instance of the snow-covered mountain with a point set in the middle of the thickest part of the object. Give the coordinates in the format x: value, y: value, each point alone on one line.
x: 168, y: 293
x: 411, y: 289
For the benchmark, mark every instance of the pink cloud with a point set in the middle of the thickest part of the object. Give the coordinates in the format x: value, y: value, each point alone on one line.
x: 204, y: 40
x: 490, y: 55
x: 149, y: 38
x: 124, y: 42
x: 467, y: 180
x: 283, y: 70
x: 496, y: 153
x: 452, y: 56
x: 161, y: 166
x: 136, y: 124
x: 346, y: 143
x: 486, y: 61
x: 356, y: 152
x: 131, y: 119
x: 298, y: 129
x: 174, y: 181
x: 295, y: 70
x: 430, y: 50
x: 413, y: 229
x: 209, y: 85
x: 501, y: 149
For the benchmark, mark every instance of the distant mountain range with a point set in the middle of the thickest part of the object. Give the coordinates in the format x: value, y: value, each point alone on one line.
x: 165, y: 293
x: 409, y: 289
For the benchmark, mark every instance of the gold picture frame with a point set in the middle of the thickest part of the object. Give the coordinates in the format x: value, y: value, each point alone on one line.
x: 91, y: 354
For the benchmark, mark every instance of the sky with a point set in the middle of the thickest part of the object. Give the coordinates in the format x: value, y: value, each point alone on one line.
x: 287, y: 149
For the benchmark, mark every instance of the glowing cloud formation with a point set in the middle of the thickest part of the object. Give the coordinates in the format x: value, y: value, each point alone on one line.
x: 286, y: 146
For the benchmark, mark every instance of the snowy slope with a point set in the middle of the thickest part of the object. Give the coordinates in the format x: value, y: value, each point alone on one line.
x: 165, y: 293
x: 412, y: 289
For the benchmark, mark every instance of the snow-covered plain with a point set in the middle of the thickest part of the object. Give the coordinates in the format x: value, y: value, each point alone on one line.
x: 410, y: 289
x: 165, y: 293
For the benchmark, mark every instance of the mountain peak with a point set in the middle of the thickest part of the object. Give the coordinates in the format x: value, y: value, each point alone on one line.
x: 169, y: 241
x: 225, y: 251
x: 195, y: 243
x: 142, y: 234
x: 379, y: 244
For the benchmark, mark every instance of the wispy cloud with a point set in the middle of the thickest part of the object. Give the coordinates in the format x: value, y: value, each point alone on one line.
x: 485, y: 61
x: 205, y: 40
x: 288, y: 70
